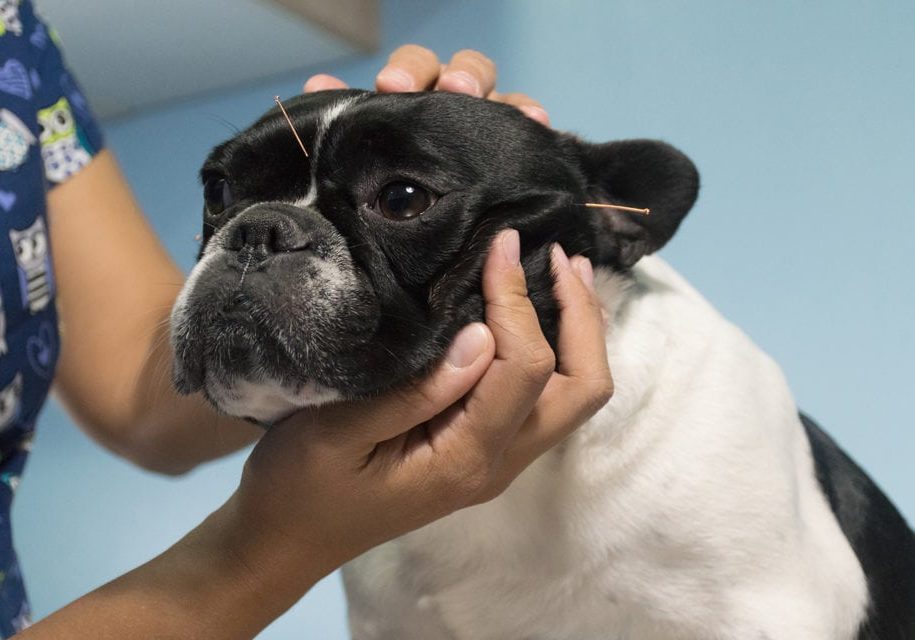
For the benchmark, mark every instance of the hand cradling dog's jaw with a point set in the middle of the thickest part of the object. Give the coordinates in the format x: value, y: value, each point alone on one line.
x: 341, y: 274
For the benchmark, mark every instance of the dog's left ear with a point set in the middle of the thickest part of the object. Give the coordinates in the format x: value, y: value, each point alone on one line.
x: 646, y: 174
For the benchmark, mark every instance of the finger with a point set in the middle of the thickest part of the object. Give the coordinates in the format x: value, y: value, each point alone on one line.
x: 509, y: 312
x: 468, y: 72
x: 323, y: 82
x: 583, y: 382
x: 582, y: 352
x: 505, y: 395
x: 369, y: 422
x: 527, y: 105
x: 409, y: 68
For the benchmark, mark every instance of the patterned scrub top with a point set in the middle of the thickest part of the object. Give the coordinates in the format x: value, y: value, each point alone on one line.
x: 47, y: 134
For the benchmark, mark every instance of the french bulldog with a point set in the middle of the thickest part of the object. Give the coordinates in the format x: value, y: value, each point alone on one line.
x: 697, y: 504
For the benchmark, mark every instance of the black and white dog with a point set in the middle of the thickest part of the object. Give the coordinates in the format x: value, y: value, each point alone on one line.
x: 697, y: 504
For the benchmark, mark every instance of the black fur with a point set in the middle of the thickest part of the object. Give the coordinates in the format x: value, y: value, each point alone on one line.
x: 879, y: 535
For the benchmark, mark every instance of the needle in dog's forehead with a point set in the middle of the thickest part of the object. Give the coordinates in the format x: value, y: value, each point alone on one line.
x: 279, y: 103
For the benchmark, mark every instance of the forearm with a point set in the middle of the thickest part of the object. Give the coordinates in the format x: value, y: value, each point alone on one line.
x: 217, y: 582
x: 154, y: 426
x: 129, y: 403
x: 116, y: 287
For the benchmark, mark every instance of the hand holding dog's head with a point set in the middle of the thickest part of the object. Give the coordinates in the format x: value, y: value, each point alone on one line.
x: 341, y: 274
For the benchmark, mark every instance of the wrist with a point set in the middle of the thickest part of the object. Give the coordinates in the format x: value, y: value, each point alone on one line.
x: 269, y: 570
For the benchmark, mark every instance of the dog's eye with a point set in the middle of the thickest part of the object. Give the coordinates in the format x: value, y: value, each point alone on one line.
x: 218, y: 195
x: 402, y: 201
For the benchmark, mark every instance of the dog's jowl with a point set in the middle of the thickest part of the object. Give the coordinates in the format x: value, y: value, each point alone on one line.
x: 698, y: 504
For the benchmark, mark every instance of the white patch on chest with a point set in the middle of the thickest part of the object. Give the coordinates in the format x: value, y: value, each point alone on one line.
x: 686, y: 509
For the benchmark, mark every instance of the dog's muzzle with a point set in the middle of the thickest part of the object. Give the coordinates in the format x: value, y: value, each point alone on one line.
x: 269, y: 312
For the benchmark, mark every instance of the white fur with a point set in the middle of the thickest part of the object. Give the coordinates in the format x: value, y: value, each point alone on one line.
x: 330, y: 114
x: 179, y: 315
x: 268, y: 401
x: 686, y: 509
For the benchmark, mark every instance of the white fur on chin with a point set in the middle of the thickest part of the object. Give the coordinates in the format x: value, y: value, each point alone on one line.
x: 269, y: 401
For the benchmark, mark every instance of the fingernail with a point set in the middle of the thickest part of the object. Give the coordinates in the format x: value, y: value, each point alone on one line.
x: 586, y: 272
x: 535, y: 113
x: 468, y: 345
x: 394, y: 79
x: 560, y: 259
x: 511, y: 246
x: 461, y: 82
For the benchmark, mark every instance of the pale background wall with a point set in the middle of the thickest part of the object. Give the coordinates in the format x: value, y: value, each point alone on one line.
x: 799, y: 116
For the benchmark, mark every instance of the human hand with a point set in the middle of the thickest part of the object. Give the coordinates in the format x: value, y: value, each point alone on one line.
x: 415, y: 68
x: 328, y: 484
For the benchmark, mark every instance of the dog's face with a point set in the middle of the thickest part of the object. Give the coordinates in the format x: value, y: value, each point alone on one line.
x: 344, y: 273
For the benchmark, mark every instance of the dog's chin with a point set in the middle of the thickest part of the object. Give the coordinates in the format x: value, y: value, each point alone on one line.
x: 245, y: 372
x: 266, y: 401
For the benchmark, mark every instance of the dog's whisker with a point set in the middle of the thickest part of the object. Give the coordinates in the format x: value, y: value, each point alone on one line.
x: 228, y: 125
x: 393, y: 355
x: 244, y: 271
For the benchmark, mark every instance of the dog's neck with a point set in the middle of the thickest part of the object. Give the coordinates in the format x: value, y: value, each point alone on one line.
x: 648, y: 339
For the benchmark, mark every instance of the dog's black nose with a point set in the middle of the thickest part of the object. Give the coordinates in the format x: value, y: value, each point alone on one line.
x: 267, y: 232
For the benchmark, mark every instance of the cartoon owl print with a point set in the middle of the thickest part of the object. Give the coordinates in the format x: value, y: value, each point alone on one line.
x: 10, y: 402
x: 33, y: 258
x: 9, y: 18
x: 61, y: 149
x: 15, y: 140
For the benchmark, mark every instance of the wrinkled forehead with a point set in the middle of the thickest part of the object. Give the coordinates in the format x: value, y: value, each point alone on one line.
x: 352, y: 132
x: 470, y: 133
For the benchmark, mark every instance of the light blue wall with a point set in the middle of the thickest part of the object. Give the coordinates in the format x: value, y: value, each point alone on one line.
x: 800, y: 118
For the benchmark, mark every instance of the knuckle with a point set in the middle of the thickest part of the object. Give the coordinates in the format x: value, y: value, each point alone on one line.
x: 592, y: 304
x: 472, y: 56
x: 521, y: 100
x: 476, y: 480
x: 605, y: 390
x: 539, y: 362
x: 599, y: 392
x: 511, y: 297
x: 415, y: 52
x: 478, y: 63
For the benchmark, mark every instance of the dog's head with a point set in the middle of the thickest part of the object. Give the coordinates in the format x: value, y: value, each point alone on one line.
x: 349, y: 271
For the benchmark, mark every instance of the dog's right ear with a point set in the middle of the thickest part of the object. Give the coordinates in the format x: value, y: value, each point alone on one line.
x: 638, y: 173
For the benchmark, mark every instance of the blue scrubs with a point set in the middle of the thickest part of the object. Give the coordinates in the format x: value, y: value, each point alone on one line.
x: 47, y: 135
